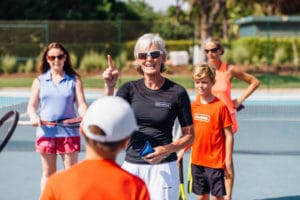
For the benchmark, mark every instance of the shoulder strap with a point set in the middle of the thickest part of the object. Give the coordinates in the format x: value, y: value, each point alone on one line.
x: 224, y: 67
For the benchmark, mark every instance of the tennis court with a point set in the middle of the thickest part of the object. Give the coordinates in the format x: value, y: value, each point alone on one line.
x: 266, y: 151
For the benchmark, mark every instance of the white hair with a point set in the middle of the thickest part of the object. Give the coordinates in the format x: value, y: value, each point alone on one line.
x: 147, y: 40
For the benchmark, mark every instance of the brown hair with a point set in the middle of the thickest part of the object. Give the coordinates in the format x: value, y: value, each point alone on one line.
x: 107, y: 146
x: 44, y: 66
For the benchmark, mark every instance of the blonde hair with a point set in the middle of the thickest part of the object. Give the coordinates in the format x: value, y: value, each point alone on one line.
x: 204, y: 70
x: 217, y: 42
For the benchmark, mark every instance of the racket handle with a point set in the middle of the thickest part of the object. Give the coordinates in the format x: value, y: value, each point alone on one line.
x: 24, y: 123
x: 241, y: 107
x: 181, y: 171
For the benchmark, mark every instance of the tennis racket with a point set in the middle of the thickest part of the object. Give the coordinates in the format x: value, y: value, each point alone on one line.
x: 189, y: 177
x: 241, y: 107
x: 181, y: 195
x: 69, y: 123
x: 8, y: 124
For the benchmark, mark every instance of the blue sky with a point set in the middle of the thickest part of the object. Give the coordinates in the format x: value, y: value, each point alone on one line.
x: 162, y: 5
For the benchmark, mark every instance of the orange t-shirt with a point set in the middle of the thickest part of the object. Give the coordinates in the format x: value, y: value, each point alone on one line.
x: 95, y: 180
x: 208, y: 148
x: 222, y: 90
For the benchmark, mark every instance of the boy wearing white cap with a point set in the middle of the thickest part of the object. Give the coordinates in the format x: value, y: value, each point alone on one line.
x: 106, y: 126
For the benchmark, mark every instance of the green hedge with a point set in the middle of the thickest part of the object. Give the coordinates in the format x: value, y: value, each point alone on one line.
x: 274, y: 51
x: 256, y: 51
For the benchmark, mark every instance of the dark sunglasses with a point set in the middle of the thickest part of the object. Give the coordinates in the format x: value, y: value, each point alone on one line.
x: 59, y: 57
x: 153, y: 54
x: 214, y: 50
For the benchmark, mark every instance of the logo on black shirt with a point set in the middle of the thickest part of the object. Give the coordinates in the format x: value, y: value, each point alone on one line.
x: 163, y: 104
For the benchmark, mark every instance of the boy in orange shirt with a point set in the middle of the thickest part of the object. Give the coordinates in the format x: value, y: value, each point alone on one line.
x: 106, y: 126
x: 212, y: 149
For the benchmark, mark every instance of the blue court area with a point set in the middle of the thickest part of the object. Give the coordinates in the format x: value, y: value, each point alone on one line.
x: 266, y: 152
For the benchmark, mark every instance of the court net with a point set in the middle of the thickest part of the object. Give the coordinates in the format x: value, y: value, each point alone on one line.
x: 13, y: 103
x: 24, y: 136
x: 267, y: 127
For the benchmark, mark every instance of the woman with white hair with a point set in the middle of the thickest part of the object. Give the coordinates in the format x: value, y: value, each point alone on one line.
x: 157, y: 102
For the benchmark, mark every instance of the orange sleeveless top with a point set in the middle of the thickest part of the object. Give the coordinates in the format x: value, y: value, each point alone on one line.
x: 222, y: 90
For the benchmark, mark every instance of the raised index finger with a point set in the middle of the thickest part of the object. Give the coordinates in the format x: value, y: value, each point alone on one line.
x: 110, y: 62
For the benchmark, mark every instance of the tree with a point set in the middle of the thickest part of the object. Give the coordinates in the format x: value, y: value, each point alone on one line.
x: 175, y: 24
x: 65, y: 10
x: 279, y: 7
x: 138, y: 6
x: 205, y: 14
x: 212, y: 17
x: 288, y: 7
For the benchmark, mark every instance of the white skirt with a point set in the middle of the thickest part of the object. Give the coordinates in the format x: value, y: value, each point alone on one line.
x: 162, y: 179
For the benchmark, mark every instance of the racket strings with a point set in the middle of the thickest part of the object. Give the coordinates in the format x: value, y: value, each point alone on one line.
x: 7, y: 126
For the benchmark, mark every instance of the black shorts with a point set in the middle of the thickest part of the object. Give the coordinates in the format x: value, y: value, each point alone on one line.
x: 208, y: 180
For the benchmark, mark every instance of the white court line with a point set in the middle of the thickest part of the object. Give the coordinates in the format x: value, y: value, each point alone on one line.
x: 263, y: 94
x: 25, y: 93
x: 270, y: 119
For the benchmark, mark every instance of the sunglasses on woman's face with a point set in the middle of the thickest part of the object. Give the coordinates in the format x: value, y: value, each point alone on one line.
x: 214, y: 50
x: 153, y: 54
x: 59, y: 57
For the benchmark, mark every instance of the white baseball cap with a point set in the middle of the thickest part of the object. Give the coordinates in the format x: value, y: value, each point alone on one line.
x: 113, y: 115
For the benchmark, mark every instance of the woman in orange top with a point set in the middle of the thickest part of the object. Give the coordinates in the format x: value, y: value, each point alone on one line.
x: 224, y: 74
x: 222, y: 87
